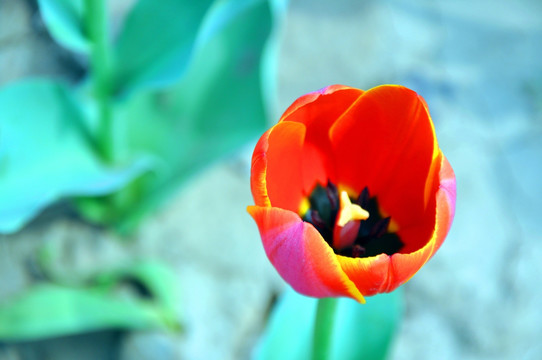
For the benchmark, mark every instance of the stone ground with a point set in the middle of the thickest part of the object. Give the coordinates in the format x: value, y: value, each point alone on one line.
x: 477, y: 65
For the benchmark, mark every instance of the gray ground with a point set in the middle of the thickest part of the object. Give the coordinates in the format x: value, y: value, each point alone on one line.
x: 477, y: 63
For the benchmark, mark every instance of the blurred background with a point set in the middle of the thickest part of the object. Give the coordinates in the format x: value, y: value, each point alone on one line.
x: 192, y: 276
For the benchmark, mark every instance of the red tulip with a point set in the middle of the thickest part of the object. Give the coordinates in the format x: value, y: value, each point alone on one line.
x: 352, y: 192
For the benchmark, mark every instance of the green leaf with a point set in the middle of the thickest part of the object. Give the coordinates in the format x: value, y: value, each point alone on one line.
x: 366, y: 331
x: 51, y: 310
x: 216, y: 107
x: 46, y: 153
x: 170, y: 32
x: 155, y: 279
x: 359, y: 331
x: 219, y: 15
x: 156, y: 42
x: 288, y: 335
x: 48, y: 310
x: 64, y: 19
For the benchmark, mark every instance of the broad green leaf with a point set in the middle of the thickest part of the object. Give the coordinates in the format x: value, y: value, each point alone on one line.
x: 46, y: 153
x: 216, y: 107
x: 64, y: 19
x: 288, y: 335
x: 219, y: 15
x: 156, y: 42
x: 366, y: 331
x: 359, y: 331
x: 48, y: 310
x: 170, y: 32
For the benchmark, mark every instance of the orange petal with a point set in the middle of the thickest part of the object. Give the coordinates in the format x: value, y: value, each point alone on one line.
x: 318, y: 111
x: 386, y: 141
x: 312, y: 96
x: 369, y: 274
x: 406, y: 265
x: 384, y: 273
x: 300, y: 254
x: 258, y: 183
x: 275, y: 176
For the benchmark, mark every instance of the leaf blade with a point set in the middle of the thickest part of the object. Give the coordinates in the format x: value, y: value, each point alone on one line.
x: 64, y: 19
x: 49, y: 310
x: 44, y: 155
x: 359, y: 331
x: 166, y: 31
x: 216, y: 107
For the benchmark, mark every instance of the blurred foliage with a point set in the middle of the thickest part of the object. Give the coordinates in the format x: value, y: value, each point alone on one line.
x: 138, y: 297
x: 183, y: 83
x: 45, y: 152
x: 65, y: 21
x: 216, y: 106
x: 359, y: 331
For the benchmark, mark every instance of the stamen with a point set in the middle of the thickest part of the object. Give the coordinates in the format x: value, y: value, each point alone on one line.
x: 358, y: 251
x: 346, y: 226
x: 332, y: 192
x: 317, y: 220
x: 380, y: 228
x: 363, y: 199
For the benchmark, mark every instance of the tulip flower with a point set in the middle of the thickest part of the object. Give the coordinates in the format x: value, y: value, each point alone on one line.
x: 352, y: 192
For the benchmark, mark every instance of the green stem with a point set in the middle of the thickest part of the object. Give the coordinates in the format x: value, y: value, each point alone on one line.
x: 101, y: 73
x: 323, y: 328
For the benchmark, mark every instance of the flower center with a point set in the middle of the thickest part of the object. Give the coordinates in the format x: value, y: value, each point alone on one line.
x: 352, y: 227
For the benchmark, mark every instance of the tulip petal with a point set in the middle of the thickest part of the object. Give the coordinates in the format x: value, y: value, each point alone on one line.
x: 406, y: 265
x: 258, y: 184
x: 275, y: 175
x: 386, y: 141
x: 300, y: 254
x: 384, y: 273
x: 312, y: 96
x: 317, y: 111
x: 294, y: 155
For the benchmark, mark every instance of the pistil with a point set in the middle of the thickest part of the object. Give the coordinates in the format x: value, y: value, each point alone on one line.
x: 348, y: 222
